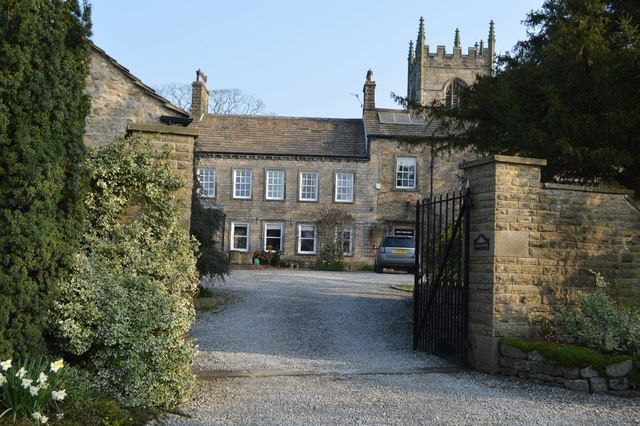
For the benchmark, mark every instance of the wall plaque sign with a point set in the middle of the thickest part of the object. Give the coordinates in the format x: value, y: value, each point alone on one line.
x: 481, y: 243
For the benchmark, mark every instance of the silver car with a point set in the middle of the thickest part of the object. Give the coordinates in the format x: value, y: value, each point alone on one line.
x: 397, y: 252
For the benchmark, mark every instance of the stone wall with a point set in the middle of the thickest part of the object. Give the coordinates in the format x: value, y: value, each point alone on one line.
x: 179, y: 143
x: 117, y: 99
x: 534, y: 366
x: 544, y: 240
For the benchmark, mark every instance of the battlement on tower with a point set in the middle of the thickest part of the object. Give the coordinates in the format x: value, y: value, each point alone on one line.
x: 436, y: 75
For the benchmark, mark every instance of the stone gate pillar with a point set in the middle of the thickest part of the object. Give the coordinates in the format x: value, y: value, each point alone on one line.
x: 503, y: 192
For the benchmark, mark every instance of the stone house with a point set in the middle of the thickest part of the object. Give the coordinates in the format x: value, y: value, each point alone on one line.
x: 270, y: 175
x: 122, y: 104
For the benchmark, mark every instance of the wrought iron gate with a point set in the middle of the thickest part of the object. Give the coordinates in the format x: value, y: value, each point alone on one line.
x: 442, y: 275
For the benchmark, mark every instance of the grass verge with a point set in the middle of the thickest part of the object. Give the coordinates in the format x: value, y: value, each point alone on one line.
x: 404, y: 287
x: 209, y: 300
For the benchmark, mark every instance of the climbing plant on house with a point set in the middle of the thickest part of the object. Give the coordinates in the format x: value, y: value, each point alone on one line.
x: 44, y: 59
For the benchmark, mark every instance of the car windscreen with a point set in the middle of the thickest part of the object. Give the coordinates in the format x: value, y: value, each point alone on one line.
x: 398, y: 242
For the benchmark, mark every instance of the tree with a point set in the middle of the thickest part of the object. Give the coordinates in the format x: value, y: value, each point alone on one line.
x: 221, y: 101
x: 44, y: 60
x: 206, y: 225
x: 569, y: 93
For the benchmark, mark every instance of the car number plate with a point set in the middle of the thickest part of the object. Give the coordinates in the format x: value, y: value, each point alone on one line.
x: 399, y: 251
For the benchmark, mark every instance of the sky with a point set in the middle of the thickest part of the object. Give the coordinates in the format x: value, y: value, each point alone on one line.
x: 302, y: 58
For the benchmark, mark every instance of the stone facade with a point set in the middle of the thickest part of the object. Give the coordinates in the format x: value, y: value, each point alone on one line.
x: 290, y: 212
x: 544, y: 240
x: 121, y: 104
x: 431, y: 74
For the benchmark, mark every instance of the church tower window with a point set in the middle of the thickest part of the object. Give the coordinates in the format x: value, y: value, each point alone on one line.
x: 452, y: 92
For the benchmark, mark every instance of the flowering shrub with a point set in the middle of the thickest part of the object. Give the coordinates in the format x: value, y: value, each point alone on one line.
x: 335, y: 264
x: 29, y: 387
x: 129, y: 305
x: 597, y: 323
x: 330, y: 222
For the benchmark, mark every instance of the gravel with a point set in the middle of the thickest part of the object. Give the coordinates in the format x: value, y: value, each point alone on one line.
x: 346, y: 328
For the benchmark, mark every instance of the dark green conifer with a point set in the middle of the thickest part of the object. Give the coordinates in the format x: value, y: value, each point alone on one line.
x: 44, y: 60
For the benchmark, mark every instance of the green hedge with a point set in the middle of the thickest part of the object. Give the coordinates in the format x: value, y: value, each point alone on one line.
x: 44, y: 60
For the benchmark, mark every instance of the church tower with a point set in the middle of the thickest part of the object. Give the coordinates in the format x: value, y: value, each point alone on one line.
x: 440, y: 75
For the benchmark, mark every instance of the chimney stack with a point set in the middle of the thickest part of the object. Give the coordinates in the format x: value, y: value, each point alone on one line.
x: 199, y: 96
x: 369, y: 101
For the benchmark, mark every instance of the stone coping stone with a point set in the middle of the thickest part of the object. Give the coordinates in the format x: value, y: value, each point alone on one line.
x: 596, y: 189
x: 503, y: 159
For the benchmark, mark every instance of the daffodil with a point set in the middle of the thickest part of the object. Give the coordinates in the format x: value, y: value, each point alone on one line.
x: 42, y: 378
x: 20, y: 374
x: 39, y: 417
x: 33, y: 390
x: 26, y: 383
x: 3, y: 380
x: 59, y: 395
x: 57, y: 365
x: 5, y: 365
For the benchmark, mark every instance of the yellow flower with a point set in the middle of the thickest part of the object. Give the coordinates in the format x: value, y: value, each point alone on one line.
x: 57, y: 365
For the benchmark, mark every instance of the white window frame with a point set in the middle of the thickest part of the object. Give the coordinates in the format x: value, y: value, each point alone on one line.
x: 350, y: 229
x: 236, y: 175
x: 273, y: 225
x: 402, y: 162
x: 338, y: 186
x: 268, y: 185
x: 233, y: 231
x: 300, y: 185
x: 315, y: 238
x: 206, y: 188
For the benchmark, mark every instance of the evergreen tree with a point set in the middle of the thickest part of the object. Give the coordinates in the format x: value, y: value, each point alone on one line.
x: 569, y: 93
x: 44, y: 60
x: 206, y: 225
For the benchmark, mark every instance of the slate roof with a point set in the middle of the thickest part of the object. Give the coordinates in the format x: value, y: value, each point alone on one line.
x: 291, y: 136
x: 420, y: 128
x: 148, y: 90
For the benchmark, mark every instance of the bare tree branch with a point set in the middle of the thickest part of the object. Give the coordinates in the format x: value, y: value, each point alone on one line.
x: 221, y: 101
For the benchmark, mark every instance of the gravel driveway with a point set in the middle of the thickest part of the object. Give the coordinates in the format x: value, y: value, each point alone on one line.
x: 331, y: 348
